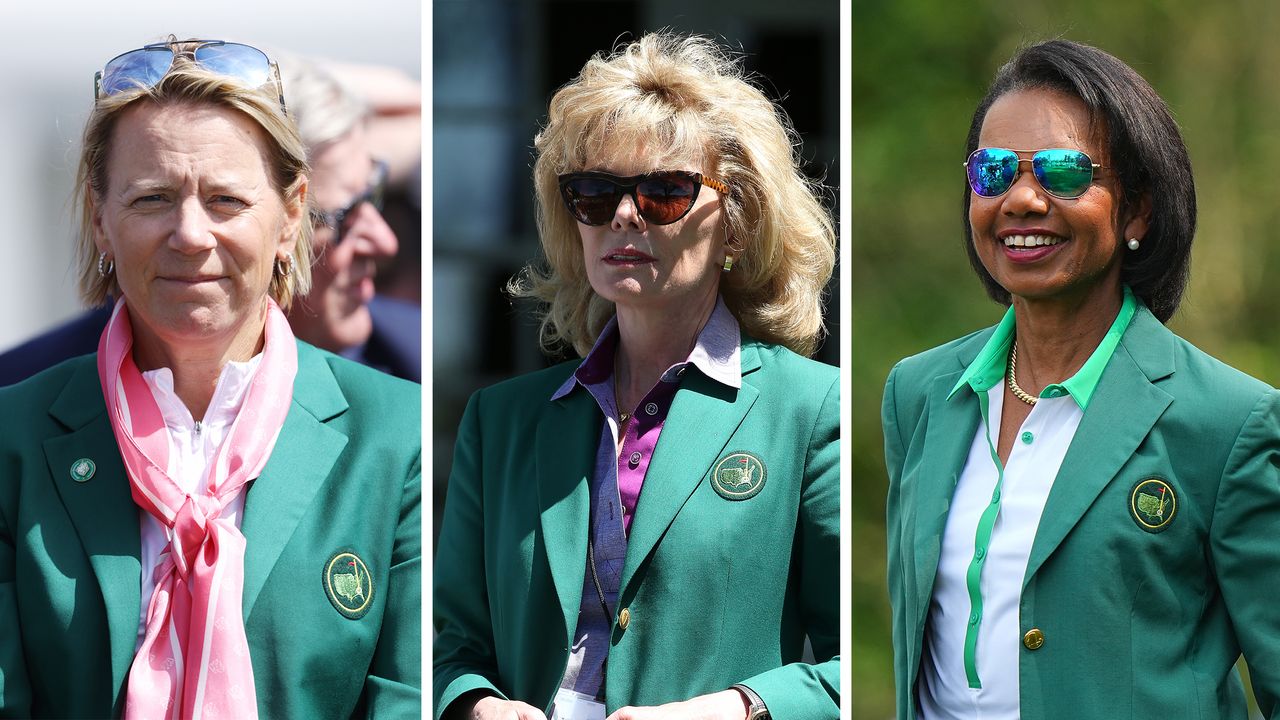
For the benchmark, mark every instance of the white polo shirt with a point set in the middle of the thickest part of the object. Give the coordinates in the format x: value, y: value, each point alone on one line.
x: 973, y: 635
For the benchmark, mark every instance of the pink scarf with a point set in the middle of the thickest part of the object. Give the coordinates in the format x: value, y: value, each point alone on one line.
x: 194, y: 659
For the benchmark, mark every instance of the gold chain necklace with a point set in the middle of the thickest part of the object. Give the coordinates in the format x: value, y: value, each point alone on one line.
x: 1018, y: 392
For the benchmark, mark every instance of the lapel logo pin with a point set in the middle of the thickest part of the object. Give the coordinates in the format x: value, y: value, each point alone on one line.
x: 739, y: 476
x: 82, y: 470
x: 348, y: 584
x: 1153, y: 503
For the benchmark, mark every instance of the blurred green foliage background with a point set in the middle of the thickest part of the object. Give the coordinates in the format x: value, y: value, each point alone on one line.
x: 919, y: 68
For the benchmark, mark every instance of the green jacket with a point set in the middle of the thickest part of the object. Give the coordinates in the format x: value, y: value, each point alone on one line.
x: 1137, y: 622
x: 717, y: 591
x: 345, y: 475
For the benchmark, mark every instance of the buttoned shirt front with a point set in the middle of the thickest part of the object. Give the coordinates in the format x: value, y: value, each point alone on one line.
x: 619, y: 474
x: 973, y: 637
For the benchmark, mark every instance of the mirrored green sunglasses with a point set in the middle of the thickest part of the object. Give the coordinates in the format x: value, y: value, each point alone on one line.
x: 1062, y: 172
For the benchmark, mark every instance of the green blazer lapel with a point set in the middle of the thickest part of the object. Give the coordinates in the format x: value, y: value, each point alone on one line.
x: 948, y: 437
x: 101, y: 508
x: 704, y: 415
x: 566, y: 441
x: 300, y: 462
x: 1122, y: 411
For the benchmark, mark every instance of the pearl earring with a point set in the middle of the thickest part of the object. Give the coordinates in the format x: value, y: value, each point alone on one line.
x: 1133, y: 243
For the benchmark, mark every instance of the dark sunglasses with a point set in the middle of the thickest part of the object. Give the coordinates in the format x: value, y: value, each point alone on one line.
x: 373, y: 194
x: 661, y: 197
x: 1063, y: 173
x: 146, y: 66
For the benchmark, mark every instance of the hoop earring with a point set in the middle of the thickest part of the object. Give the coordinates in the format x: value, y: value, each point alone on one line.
x: 105, y: 266
x: 1133, y: 243
x: 284, y: 267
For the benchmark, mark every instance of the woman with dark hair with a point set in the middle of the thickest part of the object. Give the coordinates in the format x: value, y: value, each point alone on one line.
x: 1083, y: 508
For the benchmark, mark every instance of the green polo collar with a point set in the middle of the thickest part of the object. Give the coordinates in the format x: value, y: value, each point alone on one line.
x: 988, y: 367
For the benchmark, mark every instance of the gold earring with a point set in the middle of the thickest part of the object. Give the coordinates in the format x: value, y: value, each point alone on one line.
x: 728, y: 263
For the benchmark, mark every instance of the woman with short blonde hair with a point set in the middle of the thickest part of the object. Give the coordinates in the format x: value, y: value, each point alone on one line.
x: 206, y: 518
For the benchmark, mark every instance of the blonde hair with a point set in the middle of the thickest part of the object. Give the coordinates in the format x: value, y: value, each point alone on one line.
x: 188, y: 83
x: 686, y: 96
x: 323, y: 108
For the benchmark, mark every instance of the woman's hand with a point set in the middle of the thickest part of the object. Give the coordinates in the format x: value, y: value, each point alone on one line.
x: 723, y: 705
x: 492, y: 707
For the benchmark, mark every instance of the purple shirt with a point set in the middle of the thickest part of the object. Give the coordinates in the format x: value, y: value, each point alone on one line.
x: 716, y: 353
x: 617, y: 478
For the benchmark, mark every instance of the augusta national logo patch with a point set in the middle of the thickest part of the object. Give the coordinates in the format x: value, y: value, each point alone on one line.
x: 348, y: 584
x: 739, y: 476
x: 1153, y: 504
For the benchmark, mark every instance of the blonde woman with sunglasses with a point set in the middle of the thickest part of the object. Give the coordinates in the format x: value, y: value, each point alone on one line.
x: 207, y: 517
x: 652, y: 531
x: 1083, y: 508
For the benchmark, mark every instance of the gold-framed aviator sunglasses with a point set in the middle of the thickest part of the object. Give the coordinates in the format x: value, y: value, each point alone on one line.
x: 1064, y: 173
x: 146, y: 66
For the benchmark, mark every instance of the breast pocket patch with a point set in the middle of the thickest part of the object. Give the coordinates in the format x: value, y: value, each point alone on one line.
x: 348, y: 584
x: 738, y: 476
x: 1153, y: 504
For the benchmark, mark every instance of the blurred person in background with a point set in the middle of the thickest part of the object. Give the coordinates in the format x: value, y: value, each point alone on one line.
x: 653, y: 530
x: 207, y: 517
x: 342, y: 313
x: 1083, y: 508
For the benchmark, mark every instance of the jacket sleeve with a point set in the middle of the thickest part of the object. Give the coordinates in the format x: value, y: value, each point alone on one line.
x: 801, y: 691
x: 15, y: 688
x: 1244, y: 543
x: 895, y: 451
x: 464, y: 646
x: 394, y: 685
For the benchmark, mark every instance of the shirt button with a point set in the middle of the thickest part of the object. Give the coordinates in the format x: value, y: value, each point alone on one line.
x: 995, y: 498
x: 1028, y: 437
x: 651, y: 408
x: 624, y: 618
x: 979, y: 553
x: 1034, y: 639
x: 1055, y: 392
x: 634, y: 459
x: 973, y: 619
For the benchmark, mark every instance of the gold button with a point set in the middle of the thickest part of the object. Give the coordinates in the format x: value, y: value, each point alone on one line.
x: 1033, y: 639
x: 624, y: 618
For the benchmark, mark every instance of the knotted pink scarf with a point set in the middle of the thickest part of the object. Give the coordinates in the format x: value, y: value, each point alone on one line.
x: 194, y: 659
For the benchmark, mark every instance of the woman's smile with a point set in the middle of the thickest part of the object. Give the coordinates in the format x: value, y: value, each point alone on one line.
x: 1028, y: 246
x: 1033, y: 244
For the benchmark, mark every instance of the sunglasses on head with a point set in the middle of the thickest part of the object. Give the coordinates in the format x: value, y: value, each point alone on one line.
x: 146, y: 66
x: 373, y: 194
x: 1062, y: 172
x: 661, y: 197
